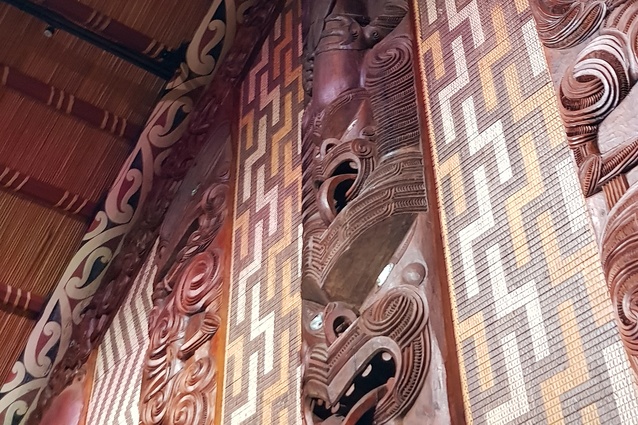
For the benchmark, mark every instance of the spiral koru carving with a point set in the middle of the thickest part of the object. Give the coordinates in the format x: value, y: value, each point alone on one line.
x: 566, y: 23
x: 195, y: 392
x: 620, y: 245
x: 179, y: 380
x: 601, y: 76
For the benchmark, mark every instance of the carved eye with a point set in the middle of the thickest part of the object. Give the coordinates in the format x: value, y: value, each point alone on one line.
x: 375, y: 35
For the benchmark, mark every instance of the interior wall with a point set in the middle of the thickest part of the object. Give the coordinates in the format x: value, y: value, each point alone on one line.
x: 120, y: 357
x: 532, y: 316
x: 262, y: 359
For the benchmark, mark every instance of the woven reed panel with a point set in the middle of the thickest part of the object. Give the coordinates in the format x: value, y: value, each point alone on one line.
x: 533, y: 324
x: 36, y: 243
x: 262, y: 373
x: 13, y: 327
x: 56, y: 148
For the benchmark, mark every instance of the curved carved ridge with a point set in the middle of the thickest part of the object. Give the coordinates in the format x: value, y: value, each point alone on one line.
x: 620, y: 243
x: 391, y: 334
x: 565, y: 23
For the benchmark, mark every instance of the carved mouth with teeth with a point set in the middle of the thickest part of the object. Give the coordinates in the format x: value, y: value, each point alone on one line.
x: 358, y: 399
x: 368, y: 369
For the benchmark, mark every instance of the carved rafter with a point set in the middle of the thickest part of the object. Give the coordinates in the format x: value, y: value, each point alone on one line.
x: 106, y: 33
x: 370, y: 353
x: 68, y: 104
x: 16, y: 298
x: 45, y: 193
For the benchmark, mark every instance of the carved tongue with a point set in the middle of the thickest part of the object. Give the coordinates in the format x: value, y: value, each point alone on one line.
x: 367, y: 402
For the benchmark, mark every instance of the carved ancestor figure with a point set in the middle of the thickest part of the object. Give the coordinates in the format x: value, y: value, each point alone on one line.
x: 595, y: 84
x: 179, y: 384
x: 372, y: 350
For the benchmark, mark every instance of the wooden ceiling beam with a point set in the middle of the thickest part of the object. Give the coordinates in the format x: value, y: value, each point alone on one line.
x: 104, y: 25
x: 45, y: 193
x: 106, y: 33
x: 21, y: 300
x: 69, y: 104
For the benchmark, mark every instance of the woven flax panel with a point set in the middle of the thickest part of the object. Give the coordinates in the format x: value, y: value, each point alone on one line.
x: 532, y: 316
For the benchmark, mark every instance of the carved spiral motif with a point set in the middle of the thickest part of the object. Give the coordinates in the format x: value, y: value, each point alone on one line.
x: 155, y: 401
x: 401, y: 314
x: 198, y: 284
x: 566, y: 23
x: 594, y: 86
x: 166, y: 329
x: 362, y: 148
x: 194, y: 401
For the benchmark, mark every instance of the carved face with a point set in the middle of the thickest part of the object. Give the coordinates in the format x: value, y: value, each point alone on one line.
x: 369, y: 367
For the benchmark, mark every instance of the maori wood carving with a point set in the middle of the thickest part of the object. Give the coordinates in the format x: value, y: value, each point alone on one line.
x: 255, y: 19
x: 179, y: 383
x: 603, y: 72
x: 372, y: 333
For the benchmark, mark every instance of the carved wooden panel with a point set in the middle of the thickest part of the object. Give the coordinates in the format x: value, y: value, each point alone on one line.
x: 180, y: 379
x: 372, y: 322
x: 602, y: 54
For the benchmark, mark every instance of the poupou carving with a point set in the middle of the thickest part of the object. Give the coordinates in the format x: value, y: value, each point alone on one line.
x: 371, y: 346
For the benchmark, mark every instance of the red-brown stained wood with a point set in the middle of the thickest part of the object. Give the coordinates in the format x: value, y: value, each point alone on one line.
x: 49, y: 195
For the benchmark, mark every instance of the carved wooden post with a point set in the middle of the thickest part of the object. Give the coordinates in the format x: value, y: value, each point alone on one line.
x: 599, y: 77
x: 372, y: 327
x: 180, y: 380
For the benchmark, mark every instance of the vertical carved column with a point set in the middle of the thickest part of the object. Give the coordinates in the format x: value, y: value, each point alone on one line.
x: 372, y: 332
x: 601, y: 72
x: 179, y: 385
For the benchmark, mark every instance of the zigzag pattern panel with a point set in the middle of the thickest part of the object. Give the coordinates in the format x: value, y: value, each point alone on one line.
x: 120, y: 359
x: 262, y: 360
x: 532, y: 318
